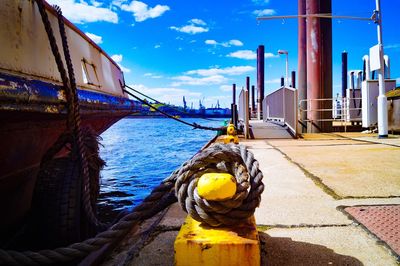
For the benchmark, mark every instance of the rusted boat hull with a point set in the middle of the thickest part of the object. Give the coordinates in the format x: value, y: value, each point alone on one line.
x: 32, y: 117
x: 33, y: 107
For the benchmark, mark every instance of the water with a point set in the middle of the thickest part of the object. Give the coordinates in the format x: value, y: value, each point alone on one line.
x: 140, y: 153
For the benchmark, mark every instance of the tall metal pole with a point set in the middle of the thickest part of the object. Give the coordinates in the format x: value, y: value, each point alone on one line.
x: 287, y: 70
x: 302, y: 59
x: 248, y: 92
x: 326, y: 63
x: 233, y: 106
x: 234, y: 93
x: 293, y: 80
x: 253, y: 102
x: 382, y: 100
x: 260, y: 79
x: 319, y: 65
x: 344, y: 73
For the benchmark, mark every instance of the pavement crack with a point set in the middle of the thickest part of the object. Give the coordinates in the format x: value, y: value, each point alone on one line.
x: 317, y: 181
x: 291, y: 226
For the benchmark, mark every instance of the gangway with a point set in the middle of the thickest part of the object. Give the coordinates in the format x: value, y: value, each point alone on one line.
x: 279, y: 115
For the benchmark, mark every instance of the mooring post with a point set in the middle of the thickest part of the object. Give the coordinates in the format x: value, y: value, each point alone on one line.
x: 319, y: 65
x: 260, y: 79
x: 293, y: 79
x: 344, y: 73
x: 202, y: 245
x: 233, y: 106
x: 253, y: 102
x: 302, y: 62
x: 248, y: 91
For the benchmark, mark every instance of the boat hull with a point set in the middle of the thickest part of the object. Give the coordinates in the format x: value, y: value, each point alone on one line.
x: 33, y: 115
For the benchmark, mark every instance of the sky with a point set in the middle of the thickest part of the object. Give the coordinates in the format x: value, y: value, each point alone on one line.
x: 198, y: 48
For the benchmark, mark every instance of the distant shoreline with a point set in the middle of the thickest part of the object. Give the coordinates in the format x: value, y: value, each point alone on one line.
x: 162, y: 116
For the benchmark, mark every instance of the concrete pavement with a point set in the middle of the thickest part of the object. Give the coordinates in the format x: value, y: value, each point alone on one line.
x: 300, y: 219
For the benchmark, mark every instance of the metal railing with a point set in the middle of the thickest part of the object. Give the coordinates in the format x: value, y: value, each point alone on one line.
x: 344, y: 111
x: 281, y: 106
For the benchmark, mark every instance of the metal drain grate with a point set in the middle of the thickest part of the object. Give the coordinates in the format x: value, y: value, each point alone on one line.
x: 382, y: 220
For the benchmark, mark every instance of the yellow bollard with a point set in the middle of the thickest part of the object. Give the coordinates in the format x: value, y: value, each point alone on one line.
x: 202, y: 245
x: 231, y: 139
x: 230, y: 130
x: 198, y: 244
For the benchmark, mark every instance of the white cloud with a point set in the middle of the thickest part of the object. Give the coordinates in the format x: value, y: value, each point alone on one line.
x: 273, y: 81
x: 261, y: 2
x: 249, y: 55
x: 118, y: 59
x: 157, y: 46
x: 96, y: 38
x: 224, y: 44
x: 197, y: 21
x: 211, y: 42
x: 195, y: 26
x: 232, y: 71
x: 264, y: 12
x: 235, y: 43
x: 142, y: 11
x: 225, y: 87
x: 270, y: 55
x: 197, y: 81
x: 151, y: 75
x: 243, y: 54
x: 398, y: 80
x: 169, y: 95
x: 190, y: 29
x: 392, y: 46
x: 83, y: 12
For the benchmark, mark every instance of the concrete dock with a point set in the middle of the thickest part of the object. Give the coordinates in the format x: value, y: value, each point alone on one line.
x: 327, y: 201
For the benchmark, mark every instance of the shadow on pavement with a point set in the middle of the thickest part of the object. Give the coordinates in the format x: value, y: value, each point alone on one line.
x: 285, y: 251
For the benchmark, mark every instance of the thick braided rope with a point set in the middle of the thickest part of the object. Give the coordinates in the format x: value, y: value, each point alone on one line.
x: 233, y: 159
x: 73, y: 120
x: 160, y: 198
x: 77, y: 129
x: 224, y: 158
x: 56, y: 53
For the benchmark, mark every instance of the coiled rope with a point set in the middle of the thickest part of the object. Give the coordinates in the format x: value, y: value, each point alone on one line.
x: 181, y: 185
x: 233, y: 159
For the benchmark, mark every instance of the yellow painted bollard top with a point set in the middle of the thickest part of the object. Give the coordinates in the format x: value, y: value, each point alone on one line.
x: 216, y: 186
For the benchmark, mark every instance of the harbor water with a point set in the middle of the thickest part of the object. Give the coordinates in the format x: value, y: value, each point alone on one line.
x: 140, y: 153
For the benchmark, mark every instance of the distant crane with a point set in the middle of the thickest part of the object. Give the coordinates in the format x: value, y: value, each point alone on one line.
x: 184, y: 103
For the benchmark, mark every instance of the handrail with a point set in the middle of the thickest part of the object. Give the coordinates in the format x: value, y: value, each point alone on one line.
x: 281, y: 105
x: 343, y: 110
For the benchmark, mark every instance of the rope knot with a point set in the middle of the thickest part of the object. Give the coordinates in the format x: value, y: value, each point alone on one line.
x: 232, y: 159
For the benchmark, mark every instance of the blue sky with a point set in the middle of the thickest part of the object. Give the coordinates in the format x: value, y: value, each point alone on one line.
x: 198, y: 48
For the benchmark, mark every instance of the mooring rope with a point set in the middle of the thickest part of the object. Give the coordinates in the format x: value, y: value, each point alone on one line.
x: 181, y: 184
x: 233, y: 159
x: 194, y: 125
x: 73, y: 119
x: 170, y: 106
